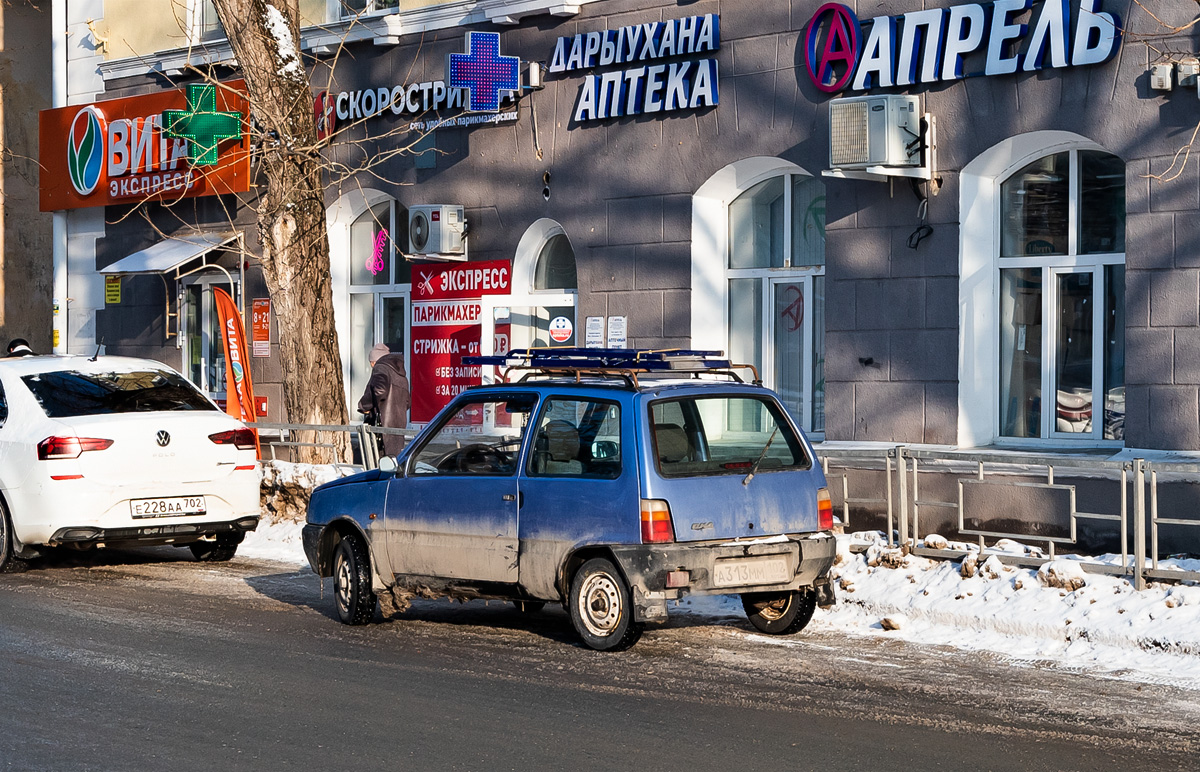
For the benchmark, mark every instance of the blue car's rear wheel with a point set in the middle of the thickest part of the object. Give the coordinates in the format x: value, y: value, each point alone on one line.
x: 352, y: 593
x: 601, y: 607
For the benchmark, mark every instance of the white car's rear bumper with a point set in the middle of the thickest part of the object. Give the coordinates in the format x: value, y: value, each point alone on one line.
x: 83, y: 512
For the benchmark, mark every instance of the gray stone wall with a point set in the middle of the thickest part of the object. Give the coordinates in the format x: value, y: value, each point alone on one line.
x: 26, y: 268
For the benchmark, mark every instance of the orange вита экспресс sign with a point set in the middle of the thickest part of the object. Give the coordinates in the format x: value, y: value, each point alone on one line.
x: 117, y: 151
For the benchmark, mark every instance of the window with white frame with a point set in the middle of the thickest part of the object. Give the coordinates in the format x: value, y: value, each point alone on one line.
x: 1061, y: 267
x: 775, y: 270
x: 351, y: 8
x: 205, y: 22
x: 380, y: 282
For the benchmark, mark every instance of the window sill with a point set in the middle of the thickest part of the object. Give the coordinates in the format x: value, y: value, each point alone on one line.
x: 381, y: 27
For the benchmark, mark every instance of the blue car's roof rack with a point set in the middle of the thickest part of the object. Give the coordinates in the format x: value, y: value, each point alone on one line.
x: 624, y: 363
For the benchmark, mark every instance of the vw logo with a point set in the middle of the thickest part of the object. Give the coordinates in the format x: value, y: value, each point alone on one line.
x: 163, y: 438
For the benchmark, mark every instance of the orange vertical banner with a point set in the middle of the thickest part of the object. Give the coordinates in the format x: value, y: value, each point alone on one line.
x: 239, y: 391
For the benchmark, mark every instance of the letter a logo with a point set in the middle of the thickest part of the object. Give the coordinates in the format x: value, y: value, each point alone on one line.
x: 831, y: 58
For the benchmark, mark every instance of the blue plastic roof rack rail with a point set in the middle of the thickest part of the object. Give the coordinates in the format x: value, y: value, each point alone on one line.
x: 621, y: 362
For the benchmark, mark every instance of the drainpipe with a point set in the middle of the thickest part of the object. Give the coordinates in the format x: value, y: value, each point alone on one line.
x: 58, y: 98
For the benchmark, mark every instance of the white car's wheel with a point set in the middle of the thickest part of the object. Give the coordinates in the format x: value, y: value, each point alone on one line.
x: 9, y: 562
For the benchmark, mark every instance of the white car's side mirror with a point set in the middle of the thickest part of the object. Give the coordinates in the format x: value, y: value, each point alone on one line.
x: 388, y: 465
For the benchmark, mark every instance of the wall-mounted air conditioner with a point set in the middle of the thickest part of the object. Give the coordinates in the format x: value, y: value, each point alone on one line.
x: 437, y: 231
x: 880, y: 136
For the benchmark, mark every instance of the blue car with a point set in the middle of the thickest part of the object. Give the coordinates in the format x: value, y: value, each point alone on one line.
x: 611, y: 481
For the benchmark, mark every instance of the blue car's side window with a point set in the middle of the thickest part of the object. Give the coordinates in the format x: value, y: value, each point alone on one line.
x: 577, y: 438
x: 481, y: 437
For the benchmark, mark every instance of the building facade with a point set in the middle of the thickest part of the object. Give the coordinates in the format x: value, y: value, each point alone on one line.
x: 25, y: 233
x: 665, y: 179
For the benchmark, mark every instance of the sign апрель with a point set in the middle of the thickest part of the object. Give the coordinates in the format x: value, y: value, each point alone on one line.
x: 930, y: 45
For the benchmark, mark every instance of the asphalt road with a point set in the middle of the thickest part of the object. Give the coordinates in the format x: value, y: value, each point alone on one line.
x: 147, y: 660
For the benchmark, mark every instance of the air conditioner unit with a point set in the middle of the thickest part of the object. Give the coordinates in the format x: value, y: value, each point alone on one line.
x: 437, y: 230
x: 880, y: 136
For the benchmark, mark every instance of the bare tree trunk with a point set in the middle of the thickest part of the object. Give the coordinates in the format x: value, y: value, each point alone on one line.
x: 264, y: 35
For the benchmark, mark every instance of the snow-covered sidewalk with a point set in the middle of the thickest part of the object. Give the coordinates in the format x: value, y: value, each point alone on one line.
x: 1057, y: 615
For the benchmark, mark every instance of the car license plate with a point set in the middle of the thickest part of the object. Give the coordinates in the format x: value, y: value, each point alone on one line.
x: 770, y: 569
x: 168, y: 507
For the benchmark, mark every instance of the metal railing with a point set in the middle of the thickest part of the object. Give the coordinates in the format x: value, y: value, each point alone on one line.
x: 1138, y: 480
x: 1013, y: 470
x: 849, y: 458
x: 1183, y: 472
x: 365, y: 441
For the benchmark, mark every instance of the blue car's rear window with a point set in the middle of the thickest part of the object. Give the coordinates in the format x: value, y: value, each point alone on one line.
x: 69, y: 393
x: 723, y: 435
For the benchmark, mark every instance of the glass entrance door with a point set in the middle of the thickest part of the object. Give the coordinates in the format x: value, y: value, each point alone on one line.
x: 375, y: 317
x: 777, y: 336
x: 1075, y: 357
x: 203, y: 352
x: 790, y: 332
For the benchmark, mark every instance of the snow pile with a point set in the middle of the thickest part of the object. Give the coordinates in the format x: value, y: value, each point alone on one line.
x: 1067, y: 574
x: 285, y: 490
x: 1056, y: 612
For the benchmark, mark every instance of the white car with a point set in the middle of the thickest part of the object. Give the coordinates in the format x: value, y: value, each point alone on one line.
x: 107, y: 451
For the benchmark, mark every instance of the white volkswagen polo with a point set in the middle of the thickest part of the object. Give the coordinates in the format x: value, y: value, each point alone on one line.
x: 108, y: 451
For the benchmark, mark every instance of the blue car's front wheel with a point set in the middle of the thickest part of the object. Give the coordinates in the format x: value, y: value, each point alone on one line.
x: 352, y: 593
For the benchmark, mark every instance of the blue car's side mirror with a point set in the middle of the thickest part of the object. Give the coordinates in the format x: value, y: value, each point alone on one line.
x: 388, y: 465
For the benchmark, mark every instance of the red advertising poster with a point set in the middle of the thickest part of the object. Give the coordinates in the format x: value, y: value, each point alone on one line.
x: 445, y: 328
x: 260, y: 327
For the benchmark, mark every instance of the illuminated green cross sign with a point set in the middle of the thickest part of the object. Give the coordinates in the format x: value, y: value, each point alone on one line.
x: 202, y: 124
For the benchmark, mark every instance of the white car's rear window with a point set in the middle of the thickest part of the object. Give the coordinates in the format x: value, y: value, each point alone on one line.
x: 70, y: 393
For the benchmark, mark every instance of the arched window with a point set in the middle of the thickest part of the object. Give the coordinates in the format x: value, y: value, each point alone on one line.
x: 775, y: 274
x: 555, y: 269
x: 1061, y: 280
x: 541, y: 308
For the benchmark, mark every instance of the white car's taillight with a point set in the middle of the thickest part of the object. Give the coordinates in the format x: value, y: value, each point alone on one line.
x: 69, y: 447
x: 243, y: 438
